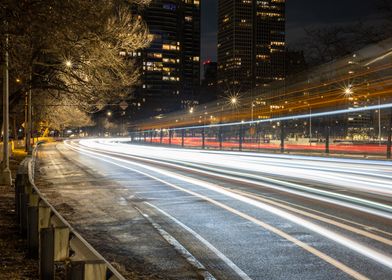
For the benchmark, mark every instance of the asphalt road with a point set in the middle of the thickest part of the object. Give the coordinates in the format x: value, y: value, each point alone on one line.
x: 191, y: 214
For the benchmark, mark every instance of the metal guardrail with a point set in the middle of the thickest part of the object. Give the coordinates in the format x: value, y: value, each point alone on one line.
x: 361, y: 131
x: 51, y: 238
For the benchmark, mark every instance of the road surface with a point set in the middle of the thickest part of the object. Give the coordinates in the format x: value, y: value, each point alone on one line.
x: 166, y: 213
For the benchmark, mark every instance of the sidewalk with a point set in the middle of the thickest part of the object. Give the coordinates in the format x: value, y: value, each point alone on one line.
x: 14, y: 262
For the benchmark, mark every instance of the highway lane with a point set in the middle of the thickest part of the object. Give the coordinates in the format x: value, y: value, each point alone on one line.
x: 244, y: 215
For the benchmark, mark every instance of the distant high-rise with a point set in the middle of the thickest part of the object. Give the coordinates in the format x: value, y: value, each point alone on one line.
x: 251, y: 44
x: 170, y: 66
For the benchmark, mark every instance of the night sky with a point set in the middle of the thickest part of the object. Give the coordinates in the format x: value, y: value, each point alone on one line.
x: 300, y: 14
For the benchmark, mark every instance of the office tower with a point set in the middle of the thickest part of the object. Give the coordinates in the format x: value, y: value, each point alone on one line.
x: 251, y: 44
x: 170, y: 66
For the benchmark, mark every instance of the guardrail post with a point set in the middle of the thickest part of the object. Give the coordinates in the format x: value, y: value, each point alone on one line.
x: 182, y: 138
x: 32, y: 227
x: 170, y: 137
x: 20, y: 182
x: 220, y: 138
x: 282, y: 136
x: 87, y: 270
x: 46, y: 254
x: 327, y: 137
x: 24, y: 204
x: 54, y: 245
x: 32, y: 232
x: 240, y: 137
x: 203, y: 139
x: 389, y: 144
x: 44, y: 214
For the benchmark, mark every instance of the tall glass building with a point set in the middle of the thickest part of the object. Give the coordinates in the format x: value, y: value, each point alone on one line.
x: 251, y: 44
x: 170, y: 66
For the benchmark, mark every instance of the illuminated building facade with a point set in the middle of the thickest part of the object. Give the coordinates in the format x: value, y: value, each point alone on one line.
x: 251, y: 44
x: 170, y: 66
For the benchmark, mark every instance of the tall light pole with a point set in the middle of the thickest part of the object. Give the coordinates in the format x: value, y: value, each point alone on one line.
x: 5, y: 176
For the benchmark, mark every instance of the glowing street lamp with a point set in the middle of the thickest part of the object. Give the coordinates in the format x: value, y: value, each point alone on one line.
x: 233, y: 100
x: 109, y: 113
x: 68, y: 63
x: 348, y: 91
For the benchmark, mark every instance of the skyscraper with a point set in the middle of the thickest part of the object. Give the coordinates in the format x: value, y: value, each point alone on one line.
x: 251, y: 44
x: 170, y: 66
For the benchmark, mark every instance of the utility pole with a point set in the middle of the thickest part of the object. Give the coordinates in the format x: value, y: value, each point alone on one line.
x: 5, y: 176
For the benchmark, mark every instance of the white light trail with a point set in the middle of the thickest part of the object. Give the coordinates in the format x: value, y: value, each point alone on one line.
x: 293, y: 117
x: 353, y: 245
x: 349, y: 176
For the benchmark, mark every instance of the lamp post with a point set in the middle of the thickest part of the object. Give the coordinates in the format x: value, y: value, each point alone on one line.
x: 5, y: 178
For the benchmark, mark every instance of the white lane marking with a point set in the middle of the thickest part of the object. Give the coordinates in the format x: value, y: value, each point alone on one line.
x: 288, y: 187
x: 155, y: 191
x: 178, y: 247
x: 55, y: 165
x: 225, y: 259
x: 277, y: 231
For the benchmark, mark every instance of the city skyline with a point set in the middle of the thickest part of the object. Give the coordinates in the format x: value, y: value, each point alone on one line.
x: 300, y: 14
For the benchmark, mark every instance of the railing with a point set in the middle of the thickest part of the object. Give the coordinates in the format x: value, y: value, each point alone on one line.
x: 51, y: 238
x: 362, y: 131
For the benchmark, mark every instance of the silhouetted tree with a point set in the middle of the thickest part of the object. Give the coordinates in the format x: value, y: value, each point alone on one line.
x: 73, y: 52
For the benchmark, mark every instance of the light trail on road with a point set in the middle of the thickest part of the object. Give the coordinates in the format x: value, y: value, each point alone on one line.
x: 343, y: 205
x: 354, y: 175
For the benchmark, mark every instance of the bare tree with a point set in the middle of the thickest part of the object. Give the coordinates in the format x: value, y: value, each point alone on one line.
x: 73, y: 51
x: 326, y: 44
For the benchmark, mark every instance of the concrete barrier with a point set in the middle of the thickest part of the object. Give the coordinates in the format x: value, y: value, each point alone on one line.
x: 51, y: 238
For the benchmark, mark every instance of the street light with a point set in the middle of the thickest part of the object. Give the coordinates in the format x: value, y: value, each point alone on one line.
x: 109, y: 113
x: 348, y: 91
x: 5, y: 172
x: 68, y: 63
x: 233, y: 100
